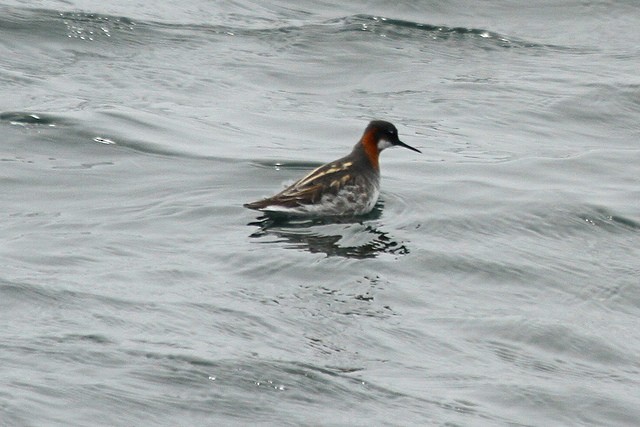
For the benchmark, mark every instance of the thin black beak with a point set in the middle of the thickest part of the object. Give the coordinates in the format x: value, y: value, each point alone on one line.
x: 402, y: 144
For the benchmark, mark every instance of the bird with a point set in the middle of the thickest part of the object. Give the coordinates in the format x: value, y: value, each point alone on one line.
x: 349, y: 186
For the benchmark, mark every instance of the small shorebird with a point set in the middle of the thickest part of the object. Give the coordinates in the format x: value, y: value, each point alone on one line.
x: 347, y: 186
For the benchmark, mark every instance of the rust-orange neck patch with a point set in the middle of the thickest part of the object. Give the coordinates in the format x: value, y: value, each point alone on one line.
x: 370, y: 145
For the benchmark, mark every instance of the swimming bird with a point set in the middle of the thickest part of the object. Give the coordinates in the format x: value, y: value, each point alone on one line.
x: 345, y: 187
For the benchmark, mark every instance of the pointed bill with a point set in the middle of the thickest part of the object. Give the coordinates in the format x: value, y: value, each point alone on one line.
x: 402, y: 144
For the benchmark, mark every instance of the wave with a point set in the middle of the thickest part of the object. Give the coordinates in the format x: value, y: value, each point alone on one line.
x: 400, y: 28
x: 91, y: 26
x: 99, y: 128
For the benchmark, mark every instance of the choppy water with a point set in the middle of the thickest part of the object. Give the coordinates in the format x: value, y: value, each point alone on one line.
x: 496, y: 282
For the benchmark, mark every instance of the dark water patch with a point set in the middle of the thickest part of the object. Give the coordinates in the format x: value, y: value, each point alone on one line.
x: 395, y: 29
x: 109, y: 129
x: 85, y: 338
x: 51, y: 24
x: 286, y: 165
x: 349, y: 237
x: 80, y: 350
x: 401, y: 29
x: 23, y: 118
x: 570, y: 221
x: 329, y: 244
x: 151, y: 134
x: 85, y: 165
x: 13, y: 293
x: 93, y: 28
x: 62, y: 129
x: 605, y: 219
x: 173, y: 359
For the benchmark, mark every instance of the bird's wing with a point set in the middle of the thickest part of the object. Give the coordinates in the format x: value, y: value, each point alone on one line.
x: 327, y: 179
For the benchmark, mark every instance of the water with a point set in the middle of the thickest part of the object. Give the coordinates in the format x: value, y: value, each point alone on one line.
x: 495, y: 283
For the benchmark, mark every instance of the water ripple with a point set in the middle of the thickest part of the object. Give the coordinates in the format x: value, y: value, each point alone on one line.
x: 357, y: 237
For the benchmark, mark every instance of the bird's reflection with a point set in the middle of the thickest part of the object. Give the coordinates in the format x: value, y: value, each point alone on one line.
x: 349, y: 237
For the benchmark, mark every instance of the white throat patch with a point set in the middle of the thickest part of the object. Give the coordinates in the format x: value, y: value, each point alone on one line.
x: 383, y: 143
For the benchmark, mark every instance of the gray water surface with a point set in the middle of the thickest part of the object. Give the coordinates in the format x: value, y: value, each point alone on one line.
x: 495, y: 283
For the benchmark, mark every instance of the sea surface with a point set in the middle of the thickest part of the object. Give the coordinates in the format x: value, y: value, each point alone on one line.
x: 496, y: 283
